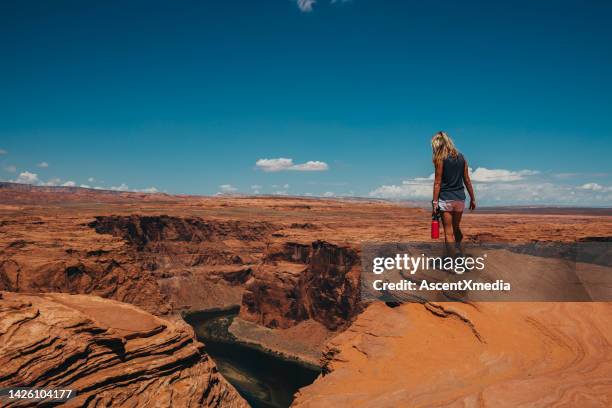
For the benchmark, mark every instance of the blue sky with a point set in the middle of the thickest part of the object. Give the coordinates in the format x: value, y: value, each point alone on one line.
x: 187, y: 97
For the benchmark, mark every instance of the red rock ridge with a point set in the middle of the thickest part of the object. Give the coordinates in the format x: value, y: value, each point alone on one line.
x: 161, y: 263
x: 109, y: 353
x: 298, y: 282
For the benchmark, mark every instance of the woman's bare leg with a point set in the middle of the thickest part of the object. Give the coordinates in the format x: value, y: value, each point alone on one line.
x: 457, y: 229
x: 449, y: 235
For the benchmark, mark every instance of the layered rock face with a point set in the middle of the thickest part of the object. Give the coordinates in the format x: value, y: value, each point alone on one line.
x: 61, y: 255
x: 196, y: 263
x: 161, y: 263
x: 297, y: 282
x: 163, y: 233
x: 109, y: 353
x: 469, y: 355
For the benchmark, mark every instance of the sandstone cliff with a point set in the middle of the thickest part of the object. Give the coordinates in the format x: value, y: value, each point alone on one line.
x: 196, y: 263
x: 462, y: 355
x: 298, y: 282
x: 109, y: 353
x: 163, y: 264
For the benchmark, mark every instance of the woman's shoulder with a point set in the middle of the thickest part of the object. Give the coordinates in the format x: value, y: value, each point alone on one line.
x: 458, y: 156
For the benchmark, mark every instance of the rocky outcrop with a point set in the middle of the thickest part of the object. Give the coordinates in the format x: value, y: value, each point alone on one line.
x: 168, y: 243
x: 161, y: 263
x: 464, y: 355
x: 197, y: 264
x: 109, y: 353
x: 298, y: 282
x: 146, y: 231
x: 54, y: 259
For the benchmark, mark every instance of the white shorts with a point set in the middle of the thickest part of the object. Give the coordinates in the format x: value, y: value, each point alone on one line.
x: 452, y: 205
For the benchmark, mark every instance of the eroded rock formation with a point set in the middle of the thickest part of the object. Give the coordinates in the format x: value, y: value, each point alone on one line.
x: 109, y: 353
x: 462, y: 355
x: 161, y: 263
x: 299, y: 259
x: 298, y: 282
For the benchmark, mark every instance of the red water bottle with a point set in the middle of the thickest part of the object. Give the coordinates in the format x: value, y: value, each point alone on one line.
x: 435, y: 226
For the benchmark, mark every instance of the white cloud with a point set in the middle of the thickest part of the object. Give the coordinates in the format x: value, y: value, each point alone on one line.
x: 272, y: 165
x: 540, y: 192
x: 121, y: 187
x: 227, y: 188
x: 419, y: 188
x: 312, y: 165
x: 431, y: 177
x: 255, y: 187
x: 595, y: 187
x: 91, y: 179
x: 31, y: 178
x: 27, y: 178
x: 329, y: 194
x: 2, y: 151
x: 284, y: 164
x: 43, y: 165
x: 10, y: 168
x: 504, y: 187
x: 306, y: 5
x: 52, y: 182
x: 484, y: 175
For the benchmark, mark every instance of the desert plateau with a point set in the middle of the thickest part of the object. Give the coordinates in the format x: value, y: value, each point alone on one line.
x: 98, y: 288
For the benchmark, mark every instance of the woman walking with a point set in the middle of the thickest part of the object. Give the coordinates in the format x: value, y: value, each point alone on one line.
x: 451, y: 179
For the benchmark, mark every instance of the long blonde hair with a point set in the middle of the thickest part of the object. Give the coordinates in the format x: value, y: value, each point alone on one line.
x: 442, y: 147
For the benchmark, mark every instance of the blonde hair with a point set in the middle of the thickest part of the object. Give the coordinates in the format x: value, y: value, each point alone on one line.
x: 442, y: 147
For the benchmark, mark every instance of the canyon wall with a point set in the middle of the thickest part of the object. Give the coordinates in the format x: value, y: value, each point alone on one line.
x: 297, y: 282
x: 47, y: 254
x: 109, y: 353
x: 160, y: 263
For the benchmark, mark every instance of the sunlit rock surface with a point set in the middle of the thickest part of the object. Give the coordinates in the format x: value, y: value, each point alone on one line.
x: 461, y: 355
x: 109, y: 353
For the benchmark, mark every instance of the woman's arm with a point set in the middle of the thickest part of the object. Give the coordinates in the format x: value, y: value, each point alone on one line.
x: 468, y: 185
x: 437, y: 184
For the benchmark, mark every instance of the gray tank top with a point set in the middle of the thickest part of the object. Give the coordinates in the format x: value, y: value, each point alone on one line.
x: 452, y: 187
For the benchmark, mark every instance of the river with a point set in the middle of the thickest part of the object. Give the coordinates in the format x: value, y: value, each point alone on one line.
x: 263, y: 379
